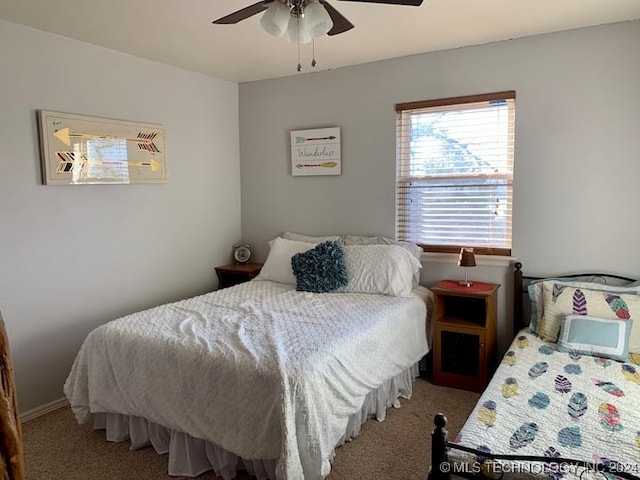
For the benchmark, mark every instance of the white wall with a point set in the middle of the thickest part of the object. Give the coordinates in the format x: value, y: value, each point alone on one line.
x: 576, y: 162
x: 74, y: 257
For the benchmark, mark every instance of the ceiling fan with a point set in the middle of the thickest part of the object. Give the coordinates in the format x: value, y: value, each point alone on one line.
x: 301, y: 20
x: 332, y: 21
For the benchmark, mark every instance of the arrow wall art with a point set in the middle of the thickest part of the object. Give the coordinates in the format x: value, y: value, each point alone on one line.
x: 78, y: 149
x: 315, y: 152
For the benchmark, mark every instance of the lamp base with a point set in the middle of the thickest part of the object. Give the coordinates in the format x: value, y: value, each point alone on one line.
x: 465, y: 283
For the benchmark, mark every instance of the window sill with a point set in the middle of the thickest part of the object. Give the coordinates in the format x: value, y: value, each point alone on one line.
x: 481, y: 260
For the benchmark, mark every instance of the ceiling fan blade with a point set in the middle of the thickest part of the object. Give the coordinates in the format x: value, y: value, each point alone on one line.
x: 244, y: 13
x: 413, y: 3
x: 340, y: 23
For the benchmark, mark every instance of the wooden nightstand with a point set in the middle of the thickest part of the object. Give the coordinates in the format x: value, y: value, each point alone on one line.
x: 235, y: 273
x: 464, y: 346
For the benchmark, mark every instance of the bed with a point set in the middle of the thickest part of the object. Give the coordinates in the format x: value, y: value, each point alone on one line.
x: 262, y: 376
x: 563, y: 402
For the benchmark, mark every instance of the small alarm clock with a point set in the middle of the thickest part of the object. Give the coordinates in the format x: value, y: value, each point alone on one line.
x: 241, y: 253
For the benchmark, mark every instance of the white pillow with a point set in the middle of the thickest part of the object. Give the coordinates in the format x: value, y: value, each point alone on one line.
x: 277, y: 267
x: 412, y: 248
x: 378, y: 240
x: 309, y: 239
x: 382, y: 269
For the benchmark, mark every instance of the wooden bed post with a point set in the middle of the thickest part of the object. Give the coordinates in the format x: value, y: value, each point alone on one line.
x: 11, y: 454
x: 438, y: 449
x: 517, y: 298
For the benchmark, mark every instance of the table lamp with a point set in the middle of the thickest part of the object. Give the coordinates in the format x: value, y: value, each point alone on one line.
x: 466, y: 259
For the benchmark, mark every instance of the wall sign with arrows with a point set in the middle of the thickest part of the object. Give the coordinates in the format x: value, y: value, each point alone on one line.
x: 315, y: 152
x: 77, y: 149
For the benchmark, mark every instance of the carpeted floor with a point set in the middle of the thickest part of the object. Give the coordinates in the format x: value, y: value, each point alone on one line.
x: 57, y: 448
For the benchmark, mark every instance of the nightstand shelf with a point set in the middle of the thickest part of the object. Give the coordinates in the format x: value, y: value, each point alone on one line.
x: 464, y: 346
x: 235, y: 273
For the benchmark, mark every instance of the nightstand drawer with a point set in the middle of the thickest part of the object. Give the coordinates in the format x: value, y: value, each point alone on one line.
x: 235, y: 273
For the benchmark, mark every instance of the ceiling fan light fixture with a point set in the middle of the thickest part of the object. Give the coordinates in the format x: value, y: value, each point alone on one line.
x: 275, y: 20
x: 318, y: 21
x: 302, y: 20
x: 298, y: 30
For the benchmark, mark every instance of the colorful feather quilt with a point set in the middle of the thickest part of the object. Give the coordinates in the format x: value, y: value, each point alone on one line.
x: 543, y: 402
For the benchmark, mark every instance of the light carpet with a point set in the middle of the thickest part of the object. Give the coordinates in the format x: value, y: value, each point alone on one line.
x: 56, y: 447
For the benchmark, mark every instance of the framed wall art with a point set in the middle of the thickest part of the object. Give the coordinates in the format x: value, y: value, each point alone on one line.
x: 78, y: 149
x: 315, y: 152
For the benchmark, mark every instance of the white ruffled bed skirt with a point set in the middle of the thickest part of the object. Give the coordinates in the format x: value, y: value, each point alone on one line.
x: 190, y: 457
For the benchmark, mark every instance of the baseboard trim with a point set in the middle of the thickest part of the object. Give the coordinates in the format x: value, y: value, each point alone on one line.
x: 43, y: 409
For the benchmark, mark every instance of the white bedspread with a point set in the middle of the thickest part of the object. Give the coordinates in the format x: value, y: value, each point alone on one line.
x: 259, y: 369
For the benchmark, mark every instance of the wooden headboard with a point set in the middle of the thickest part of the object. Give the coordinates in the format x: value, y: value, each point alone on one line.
x: 521, y: 308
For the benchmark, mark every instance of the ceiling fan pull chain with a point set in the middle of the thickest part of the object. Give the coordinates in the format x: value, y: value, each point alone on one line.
x: 298, y: 32
x: 313, y: 47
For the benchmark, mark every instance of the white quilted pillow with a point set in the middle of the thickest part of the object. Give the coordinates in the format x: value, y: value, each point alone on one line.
x: 385, y: 269
x: 378, y: 240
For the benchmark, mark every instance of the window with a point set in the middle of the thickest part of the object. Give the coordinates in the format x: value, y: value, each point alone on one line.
x: 454, y: 175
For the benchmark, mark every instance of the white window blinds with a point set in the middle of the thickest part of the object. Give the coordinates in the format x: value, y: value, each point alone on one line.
x: 454, y: 176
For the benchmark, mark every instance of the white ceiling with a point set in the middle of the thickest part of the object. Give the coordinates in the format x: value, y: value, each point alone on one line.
x: 180, y: 32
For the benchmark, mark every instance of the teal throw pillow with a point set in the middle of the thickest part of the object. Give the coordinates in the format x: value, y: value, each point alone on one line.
x: 321, y: 269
